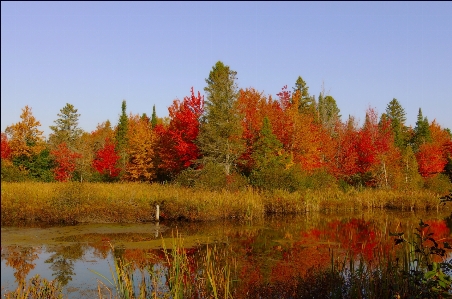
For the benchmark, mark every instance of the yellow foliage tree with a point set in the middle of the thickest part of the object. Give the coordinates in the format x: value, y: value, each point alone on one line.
x: 140, y: 149
x: 25, y: 138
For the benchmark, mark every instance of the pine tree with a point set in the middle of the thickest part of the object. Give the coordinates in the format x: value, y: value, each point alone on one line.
x: 421, y: 132
x: 306, y: 103
x: 267, y: 147
x: 121, y: 135
x: 219, y: 139
x: 397, y: 115
x: 328, y: 112
x: 154, y: 117
x: 66, y: 128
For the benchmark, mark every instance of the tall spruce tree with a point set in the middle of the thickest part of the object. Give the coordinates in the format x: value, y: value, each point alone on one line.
x: 154, y: 117
x: 397, y: 115
x: 121, y: 135
x: 66, y: 128
x: 328, y: 112
x: 421, y: 132
x: 306, y: 103
x: 220, y: 135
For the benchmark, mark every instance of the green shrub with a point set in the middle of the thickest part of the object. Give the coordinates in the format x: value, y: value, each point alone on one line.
x: 439, y: 184
x: 12, y: 173
x: 211, y: 177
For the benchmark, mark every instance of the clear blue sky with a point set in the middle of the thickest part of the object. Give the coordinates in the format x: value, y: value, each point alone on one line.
x: 95, y: 54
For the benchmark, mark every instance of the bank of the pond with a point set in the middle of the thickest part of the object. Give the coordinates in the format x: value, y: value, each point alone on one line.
x: 136, y: 202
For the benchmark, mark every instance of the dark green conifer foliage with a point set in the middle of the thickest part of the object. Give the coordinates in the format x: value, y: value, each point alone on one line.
x: 220, y: 134
x: 39, y: 166
x: 154, y: 117
x: 66, y: 128
x: 328, y: 112
x: 306, y: 103
x: 421, y: 131
x: 397, y: 115
x: 121, y: 135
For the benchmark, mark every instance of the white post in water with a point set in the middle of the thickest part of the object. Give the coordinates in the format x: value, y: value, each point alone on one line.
x: 157, y: 213
x: 156, y: 230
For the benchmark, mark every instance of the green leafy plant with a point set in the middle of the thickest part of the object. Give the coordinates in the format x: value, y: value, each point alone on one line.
x: 431, y: 278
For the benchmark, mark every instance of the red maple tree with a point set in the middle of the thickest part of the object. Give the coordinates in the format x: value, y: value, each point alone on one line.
x: 5, y: 147
x: 106, y: 160
x: 252, y: 105
x: 345, y: 160
x: 65, y: 161
x: 430, y: 159
x: 177, y: 148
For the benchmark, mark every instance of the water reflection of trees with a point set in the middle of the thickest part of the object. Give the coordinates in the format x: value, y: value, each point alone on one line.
x: 271, y: 259
x: 62, y: 261
x: 21, y: 259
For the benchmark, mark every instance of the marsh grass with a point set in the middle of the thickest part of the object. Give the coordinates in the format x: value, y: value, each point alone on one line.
x: 37, y: 287
x: 177, y: 276
x: 75, y: 202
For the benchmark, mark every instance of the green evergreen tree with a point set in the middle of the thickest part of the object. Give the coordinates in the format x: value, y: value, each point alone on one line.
x: 306, y: 104
x: 270, y: 162
x: 397, y: 115
x: 267, y: 147
x: 421, y: 131
x: 66, y: 128
x: 154, y: 117
x: 121, y: 135
x: 328, y: 112
x: 39, y: 167
x: 220, y: 135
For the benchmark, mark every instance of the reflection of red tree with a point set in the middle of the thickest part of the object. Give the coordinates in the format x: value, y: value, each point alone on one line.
x: 250, y: 277
x: 439, y: 229
x: 441, y: 234
x: 250, y: 274
x: 358, y: 236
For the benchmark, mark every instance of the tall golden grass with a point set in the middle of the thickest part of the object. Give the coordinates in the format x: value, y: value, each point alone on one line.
x: 136, y: 202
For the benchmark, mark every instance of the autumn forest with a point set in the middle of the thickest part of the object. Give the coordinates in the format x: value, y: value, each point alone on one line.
x: 233, y: 138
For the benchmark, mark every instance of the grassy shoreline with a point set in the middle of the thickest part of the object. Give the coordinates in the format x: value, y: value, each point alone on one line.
x: 74, y: 202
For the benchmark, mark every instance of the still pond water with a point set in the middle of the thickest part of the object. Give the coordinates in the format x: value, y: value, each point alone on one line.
x: 273, y: 248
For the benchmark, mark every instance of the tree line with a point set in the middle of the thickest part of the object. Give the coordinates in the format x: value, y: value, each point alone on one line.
x: 235, y: 137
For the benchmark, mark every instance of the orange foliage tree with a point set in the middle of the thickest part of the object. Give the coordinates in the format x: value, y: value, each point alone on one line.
x: 140, y: 149
x: 24, y: 137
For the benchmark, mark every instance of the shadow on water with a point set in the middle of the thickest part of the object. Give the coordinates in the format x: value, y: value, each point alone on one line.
x: 269, y: 256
